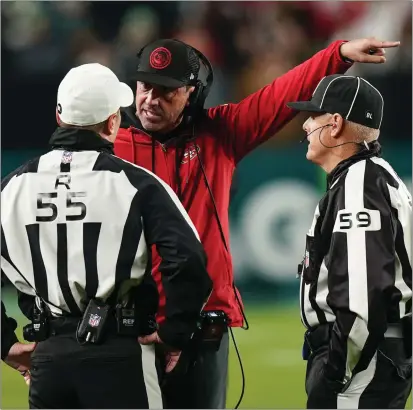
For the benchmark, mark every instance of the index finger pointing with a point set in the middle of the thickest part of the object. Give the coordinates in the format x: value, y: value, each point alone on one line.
x: 385, y: 44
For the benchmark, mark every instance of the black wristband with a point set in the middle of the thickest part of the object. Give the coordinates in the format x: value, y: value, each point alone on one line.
x: 345, y: 59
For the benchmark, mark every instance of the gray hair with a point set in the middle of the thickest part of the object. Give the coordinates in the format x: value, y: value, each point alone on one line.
x: 361, y: 132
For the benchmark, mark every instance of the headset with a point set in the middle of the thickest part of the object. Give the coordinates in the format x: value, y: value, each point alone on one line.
x: 333, y: 146
x: 200, y: 94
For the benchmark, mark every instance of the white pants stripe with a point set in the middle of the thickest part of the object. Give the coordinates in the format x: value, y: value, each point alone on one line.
x: 351, y: 397
x: 150, y: 377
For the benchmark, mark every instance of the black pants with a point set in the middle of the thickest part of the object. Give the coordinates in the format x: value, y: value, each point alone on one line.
x: 385, y: 384
x: 118, y: 373
x: 201, y: 386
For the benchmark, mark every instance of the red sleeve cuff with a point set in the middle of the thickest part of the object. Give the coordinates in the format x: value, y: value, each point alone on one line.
x: 346, y: 61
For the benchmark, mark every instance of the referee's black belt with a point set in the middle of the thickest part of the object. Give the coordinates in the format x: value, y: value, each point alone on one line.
x: 320, y: 336
x: 67, y: 325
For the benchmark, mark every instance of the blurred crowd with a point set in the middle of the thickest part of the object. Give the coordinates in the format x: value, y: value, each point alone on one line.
x: 249, y: 44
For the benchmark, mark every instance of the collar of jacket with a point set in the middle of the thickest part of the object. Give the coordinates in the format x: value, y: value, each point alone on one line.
x: 364, y: 153
x: 184, y: 131
x: 76, y: 139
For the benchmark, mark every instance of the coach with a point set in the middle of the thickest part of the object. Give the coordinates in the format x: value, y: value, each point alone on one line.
x: 356, y: 277
x: 196, y: 151
x: 78, y: 225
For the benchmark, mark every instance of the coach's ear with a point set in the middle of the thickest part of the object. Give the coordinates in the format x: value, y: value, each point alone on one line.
x: 189, y: 90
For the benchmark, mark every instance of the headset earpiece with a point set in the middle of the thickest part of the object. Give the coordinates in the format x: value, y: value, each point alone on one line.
x: 203, y: 89
x: 195, y: 99
x: 139, y: 54
x: 200, y: 94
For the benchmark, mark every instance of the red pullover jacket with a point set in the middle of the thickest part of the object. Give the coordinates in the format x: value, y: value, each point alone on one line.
x: 217, y: 142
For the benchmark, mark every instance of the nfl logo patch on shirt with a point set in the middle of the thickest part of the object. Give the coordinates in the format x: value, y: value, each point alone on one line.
x: 67, y: 157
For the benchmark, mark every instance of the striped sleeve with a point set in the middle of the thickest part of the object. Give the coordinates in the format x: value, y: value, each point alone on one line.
x: 185, y: 279
x: 361, y: 263
x: 9, y: 325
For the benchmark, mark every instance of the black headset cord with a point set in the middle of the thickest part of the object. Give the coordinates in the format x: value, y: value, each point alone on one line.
x: 246, y: 327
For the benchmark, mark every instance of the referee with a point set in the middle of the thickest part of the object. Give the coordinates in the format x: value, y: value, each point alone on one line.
x: 356, y: 277
x: 77, y: 229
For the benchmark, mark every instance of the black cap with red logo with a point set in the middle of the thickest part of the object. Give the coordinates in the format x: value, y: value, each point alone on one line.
x: 169, y: 63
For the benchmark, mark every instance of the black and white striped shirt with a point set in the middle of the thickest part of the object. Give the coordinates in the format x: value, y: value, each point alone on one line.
x: 357, y: 269
x: 79, y: 223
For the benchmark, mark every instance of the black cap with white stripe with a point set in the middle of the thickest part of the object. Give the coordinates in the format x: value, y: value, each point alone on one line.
x: 354, y: 98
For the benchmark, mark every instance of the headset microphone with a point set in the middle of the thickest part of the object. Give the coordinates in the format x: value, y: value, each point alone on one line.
x: 327, y: 125
x: 333, y: 146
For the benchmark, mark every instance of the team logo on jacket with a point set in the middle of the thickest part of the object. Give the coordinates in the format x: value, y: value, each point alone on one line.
x: 94, y: 320
x: 160, y: 58
x: 67, y: 157
x: 190, y: 154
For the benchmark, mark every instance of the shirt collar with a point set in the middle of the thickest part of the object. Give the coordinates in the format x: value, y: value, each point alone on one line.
x: 374, y: 150
x: 77, y: 139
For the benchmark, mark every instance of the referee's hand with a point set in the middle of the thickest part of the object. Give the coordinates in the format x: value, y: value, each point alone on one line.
x: 172, y: 355
x: 19, y: 358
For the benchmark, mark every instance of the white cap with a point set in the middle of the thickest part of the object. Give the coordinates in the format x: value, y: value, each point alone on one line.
x: 90, y: 94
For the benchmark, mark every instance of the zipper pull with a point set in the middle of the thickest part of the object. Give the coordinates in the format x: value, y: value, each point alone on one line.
x: 163, y: 148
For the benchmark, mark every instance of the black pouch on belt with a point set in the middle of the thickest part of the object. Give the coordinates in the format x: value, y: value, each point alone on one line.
x: 317, y: 338
x: 126, y: 321
x: 39, y: 329
x: 306, y: 351
x: 92, y: 325
x: 213, y: 324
